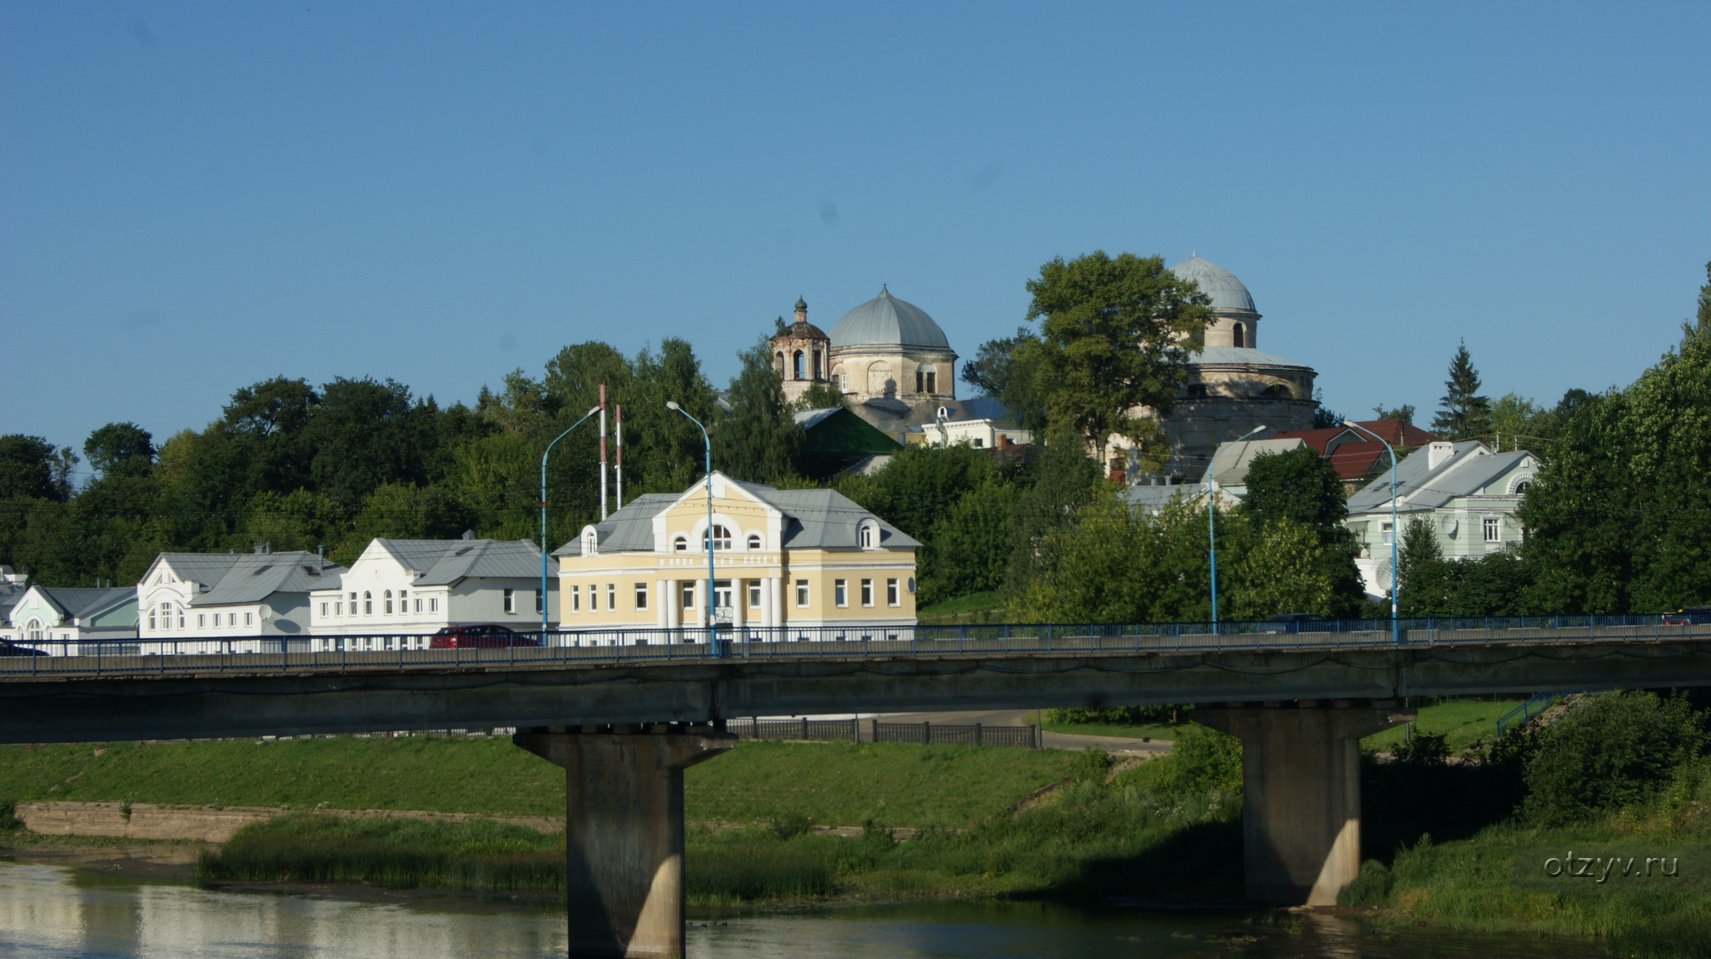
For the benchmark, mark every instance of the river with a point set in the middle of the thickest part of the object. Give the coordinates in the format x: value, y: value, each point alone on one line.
x: 53, y: 912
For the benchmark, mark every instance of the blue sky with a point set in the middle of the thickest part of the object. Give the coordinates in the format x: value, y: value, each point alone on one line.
x: 198, y: 196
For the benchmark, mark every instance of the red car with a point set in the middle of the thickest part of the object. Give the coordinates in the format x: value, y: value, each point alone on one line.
x: 487, y: 636
x: 1691, y: 616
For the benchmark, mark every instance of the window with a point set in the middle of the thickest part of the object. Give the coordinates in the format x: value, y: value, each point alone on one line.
x: 593, y: 598
x: 151, y: 617
x: 231, y: 619
x: 538, y: 597
x: 386, y: 601
x: 864, y: 536
x: 926, y: 381
x: 754, y: 594
x: 893, y: 595
x: 249, y: 618
x: 403, y: 601
x: 202, y: 618
x: 1387, y: 534
x: 801, y: 594
x: 434, y: 604
x: 367, y: 603
x: 1238, y: 336
x: 840, y: 592
x: 165, y: 615
x: 680, y: 544
x: 612, y: 597
x: 754, y: 541
x: 932, y: 381
x: 1493, y: 529
x: 867, y: 592
x: 339, y: 608
x: 722, y: 594
x: 576, y: 599
x: 418, y: 604
x: 721, y: 538
x: 797, y: 366
x: 641, y: 596
x: 181, y: 617
x: 688, y: 595
x: 510, y: 601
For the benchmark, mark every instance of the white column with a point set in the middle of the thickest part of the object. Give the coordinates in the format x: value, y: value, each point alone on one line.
x: 700, y: 602
x: 662, y: 603
x: 672, y: 603
x: 775, y: 599
x: 739, y: 602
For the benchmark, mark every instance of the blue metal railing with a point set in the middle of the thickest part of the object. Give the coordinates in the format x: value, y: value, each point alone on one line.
x: 410, y: 651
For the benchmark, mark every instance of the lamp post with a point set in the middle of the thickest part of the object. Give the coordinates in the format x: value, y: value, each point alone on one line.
x: 544, y: 453
x: 1395, y: 533
x: 712, y: 639
x: 1212, y: 526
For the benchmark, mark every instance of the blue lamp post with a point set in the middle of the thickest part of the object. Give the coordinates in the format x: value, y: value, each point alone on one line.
x: 1212, y: 526
x: 712, y: 639
x: 1395, y: 533
x: 544, y: 453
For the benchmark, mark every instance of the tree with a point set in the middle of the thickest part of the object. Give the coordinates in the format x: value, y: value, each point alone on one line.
x: 1616, y: 749
x: 759, y: 440
x: 818, y: 396
x: 1004, y: 370
x: 1464, y: 415
x: 1517, y: 423
x: 33, y: 468
x: 119, y: 447
x: 1323, y: 416
x: 1403, y: 413
x: 1300, y: 488
x: 1114, y: 341
x: 366, y: 433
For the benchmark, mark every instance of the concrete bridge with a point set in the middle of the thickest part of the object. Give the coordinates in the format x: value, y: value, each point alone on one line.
x: 625, y: 720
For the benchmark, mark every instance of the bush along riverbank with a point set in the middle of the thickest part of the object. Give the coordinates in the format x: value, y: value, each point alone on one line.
x: 1550, y: 832
x: 1165, y: 830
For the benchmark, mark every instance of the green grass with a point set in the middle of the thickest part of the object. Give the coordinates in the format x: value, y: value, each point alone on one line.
x: 846, y: 784
x: 835, y: 784
x: 987, y: 607
x: 1156, y: 731
x: 1461, y: 722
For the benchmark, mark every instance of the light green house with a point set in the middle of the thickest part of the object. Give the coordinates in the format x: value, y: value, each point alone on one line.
x: 54, y: 617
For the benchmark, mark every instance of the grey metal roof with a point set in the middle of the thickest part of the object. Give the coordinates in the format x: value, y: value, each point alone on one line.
x: 1238, y: 356
x: 80, y: 604
x: 205, y: 569
x: 813, y: 519
x: 256, y: 576
x: 808, y: 418
x: 1229, y: 466
x: 442, y: 562
x: 1420, y: 487
x: 1221, y: 285
x: 888, y: 321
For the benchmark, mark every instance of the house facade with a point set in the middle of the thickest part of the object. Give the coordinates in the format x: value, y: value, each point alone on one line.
x: 782, y: 559
x: 1468, y: 493
x: 59, y: 621
x: 400, y: 591
x: 223, y: 597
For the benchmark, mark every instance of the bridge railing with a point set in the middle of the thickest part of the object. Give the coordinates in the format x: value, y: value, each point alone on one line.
x: 399, y: 652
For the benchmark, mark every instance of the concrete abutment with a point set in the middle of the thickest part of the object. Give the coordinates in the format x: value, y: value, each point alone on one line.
x: 624, y: 831
x: 1301, y: 793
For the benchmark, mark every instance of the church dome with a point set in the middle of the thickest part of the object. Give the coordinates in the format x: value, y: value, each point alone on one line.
x: 886, y: 321
x: 1221, y: 285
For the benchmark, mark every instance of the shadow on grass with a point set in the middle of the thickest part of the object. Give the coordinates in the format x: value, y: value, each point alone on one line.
x: 1403, y: 802
x: 1195, y: 864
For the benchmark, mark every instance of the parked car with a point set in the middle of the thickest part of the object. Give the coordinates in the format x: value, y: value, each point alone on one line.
x: 1295, y: 623
x: 1689, y: 616
x: 482, y: 636
x: 9, y: 648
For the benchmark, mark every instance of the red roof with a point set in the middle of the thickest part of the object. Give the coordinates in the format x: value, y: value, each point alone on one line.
x: 1352, y: 452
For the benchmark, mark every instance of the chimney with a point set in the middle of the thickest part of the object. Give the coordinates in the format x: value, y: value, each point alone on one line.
x: 1438, y: 453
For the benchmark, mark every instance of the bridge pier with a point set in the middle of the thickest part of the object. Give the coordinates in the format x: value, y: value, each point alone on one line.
x: 624, y: 831
x: 1300, y: 793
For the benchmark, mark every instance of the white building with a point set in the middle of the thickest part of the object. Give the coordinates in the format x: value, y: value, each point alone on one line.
x: 400, y: 591
x: 229, y: 596
x: 58, y: 620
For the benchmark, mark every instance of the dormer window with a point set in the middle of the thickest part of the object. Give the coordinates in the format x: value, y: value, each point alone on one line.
x: 867, y: 534
x: 754, y: 541
x: 680, y: 544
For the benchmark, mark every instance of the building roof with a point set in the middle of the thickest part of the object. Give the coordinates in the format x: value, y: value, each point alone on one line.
x: 813, y: 519
x: 888, y: 322
x: 1221, y: 285
x: 253, y: 577
x: 1351, y: 452
x: 80, y: 604
x: 442, y: 562
x: 1422, y: 486
x: 203, y: 569
x: 1229, y: 466
x: 1238, y: 356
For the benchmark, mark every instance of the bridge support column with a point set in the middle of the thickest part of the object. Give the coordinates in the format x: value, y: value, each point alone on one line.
x: 1300, y: 793
x: 624, y: 831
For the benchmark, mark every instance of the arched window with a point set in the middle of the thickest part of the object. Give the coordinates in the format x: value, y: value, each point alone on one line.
x: 388, y: 601
x: 151, y: 617
x: 817, y: 374
x: 1279, y: 391
x: 721, y: 538
x: 754, y: 541
x: 798, y: 365
x: 1238, y: 335
x: 867, y: 534
x: 367, y: 603
x: 34, y: 629
x: 778, y: 362
x: 680, y: 544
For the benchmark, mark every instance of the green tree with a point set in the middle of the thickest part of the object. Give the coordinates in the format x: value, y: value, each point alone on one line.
x: 299, y: 519
x: 1464, y: 414
x: 1115, y: 336
x: 818, y: 396
x: 1299, y: 487
x: 759, y: 440
x: 404, y: 511
x: 363, y: 434
x: 1403, y: 413
x: 1007, y: 369
x: 33, y: 468
x: 119, y: 447
x: 1614, y: 750
x: 1517, y: 423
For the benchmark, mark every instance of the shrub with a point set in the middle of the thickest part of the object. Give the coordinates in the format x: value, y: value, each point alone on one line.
x: 1203, y: 760
x: 1613, y: 750
x: 1371, y: 886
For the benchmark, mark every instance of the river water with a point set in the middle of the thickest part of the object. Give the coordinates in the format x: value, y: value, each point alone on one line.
x: 52, y: 912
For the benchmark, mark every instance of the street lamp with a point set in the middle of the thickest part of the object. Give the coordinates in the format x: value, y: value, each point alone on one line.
x: 1212, y: 526
x: 712, y: 640
x: 1395, y: 533
x: 544, y: 453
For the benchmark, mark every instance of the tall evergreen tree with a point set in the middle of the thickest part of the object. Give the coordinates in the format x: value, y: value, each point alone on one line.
x: 1465, y: 415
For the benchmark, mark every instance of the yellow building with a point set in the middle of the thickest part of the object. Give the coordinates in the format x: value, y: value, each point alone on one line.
x: 787, y: 565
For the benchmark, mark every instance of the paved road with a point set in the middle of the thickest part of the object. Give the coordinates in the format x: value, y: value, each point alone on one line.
x: 1051, y: 740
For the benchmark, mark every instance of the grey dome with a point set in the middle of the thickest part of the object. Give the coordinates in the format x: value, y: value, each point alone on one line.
x: 1221, y: 285
x: 888, y: 321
